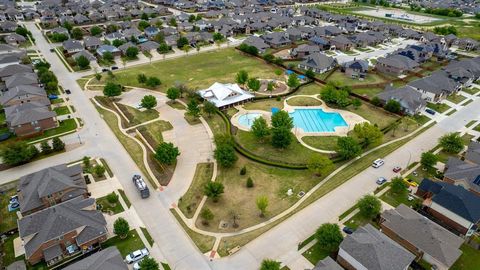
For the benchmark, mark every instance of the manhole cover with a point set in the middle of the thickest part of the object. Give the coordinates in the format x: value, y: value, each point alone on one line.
x: 301, y: 193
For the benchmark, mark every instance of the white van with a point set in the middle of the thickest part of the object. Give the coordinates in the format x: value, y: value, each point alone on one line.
x: 378, y: 163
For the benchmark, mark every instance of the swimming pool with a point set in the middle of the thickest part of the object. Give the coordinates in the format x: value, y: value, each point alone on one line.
x: 316, y: 120
x: 247, y: 119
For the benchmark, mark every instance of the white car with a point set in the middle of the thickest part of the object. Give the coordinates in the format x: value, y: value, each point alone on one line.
x: 136, y: 266
x: 136, y: 255
x: 378, y: 163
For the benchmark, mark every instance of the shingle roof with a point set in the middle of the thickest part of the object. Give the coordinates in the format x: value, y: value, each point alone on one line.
x: 22, y: 90
x: 14, y: 69
x: 319, y: 61
x: 410, y: 99
x: 107, y: 259
x: 424, y: 234
x: 375, y: 251
x: 27, y: 78
x: 327, y: 264
x: 26, y: 113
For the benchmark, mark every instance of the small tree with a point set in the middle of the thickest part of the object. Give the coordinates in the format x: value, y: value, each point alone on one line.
x: 281, y: 137
x: 141, y: 78
x: 329, y: 237
x: 320, y: 165
x: 310, y: 74
x: 348, y: 147
x: 18, y: 153
x: 86, y: 162
x: 428, y: 159
x: 77, y: 33
x: 243, y: 170
x: 107, y: 56
x: 153, y: 82
x: 121, y: 228
x: 253, y: 84
x: 206, y: 216
x: 173, y: 93
x: 225, y: 155
x: 149, y: 263
x: 393, y: 106
x: 193, y: 109
x: 131, y: 52
x: 45, y: 148
x: 293, y: 80
x: 166, y: 153
x: 149, y: 102
x: 376, y: 101
x: 112, y: 89
x: 451, y: 143
x: 82, y: 62
x: 270, y: 86
x: 356, y: 103
x: 249, y: 182
x: 209, y: 108
x: 369, y: 133
x: 242, y: 77
x: 112, y: 198
x: 398, y: 186
x: 99, y: 170
x: 259, y: 128
x: 57, y: 144
x: 213, y: 190
x: 95, y: 31
x: 369, y: 206
x: 268, y: 264
x: 262, y: 204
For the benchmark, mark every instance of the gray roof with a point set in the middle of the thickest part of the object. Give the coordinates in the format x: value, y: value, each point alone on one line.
x: 149, y: 45
x: 327, y: 264
x: 473, y: 152
x: 22, y: 90
x: 21, y: 79
x: 10, y: 58
x: 426, y: 235
x: 256, y: 42
x: 85, y: 53
x: 319, y: 61
x: 375, y: 251
x: 72, y: 44
x: 463, y: 173
x: 107, y: 259
x: 60, y: 219
x: 35, y: 186
x: 18, y: 265
x: 26, y: 113
x: 436, y: 83
x: 52, y: 252
x: 14, y: 69
x: 398, y: 61
x: 410, y: 99
x: 92, y: 41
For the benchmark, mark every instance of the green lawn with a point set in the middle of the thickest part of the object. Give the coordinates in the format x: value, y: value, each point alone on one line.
x: 137, y: 116
x: 310, y: 89
x: 396, y: 199
x: 189, y: 202
x: 456, y: 98
x: 328, y: 143
x: 471, y: 90
x: 107, y: 207
x: 368, y: 92
x: 358, y: 221
x: 439, y: 107
x: 315, y: 253
x: 58, y: 100
x: 340, y: 76
x: 124, y: 197
x: 8, y: 250
x: 176, y: 105
x: 64, y: 126
x: 421, y: 174
x: 147, y: 236
x: 199, y: 70
x: 264, y: 104
x: 203, y: 242
x: 470, y: 259
x: 127, y: 245
x: 154, y: 130
x: 62, y: 110
x: 374, y: 114
x: 467, y: 138
x: 421, y: 119
x: 303, y: 101
x: 8, y: 219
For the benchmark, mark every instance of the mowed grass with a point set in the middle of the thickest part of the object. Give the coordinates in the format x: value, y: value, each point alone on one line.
x: 264, y: 104
x: 346, y: 80
x: 9, y: 219
x: 374, y: 114
x: 199, y: 70
x: 303, y: 101
x: 369, y: 92
x: 315, y: 253
x: 127, y: 245
x: 470, y: 259
x: 155, y: 129
x: 189, y: 202
x: 328, y: 143
x: 310, y: 89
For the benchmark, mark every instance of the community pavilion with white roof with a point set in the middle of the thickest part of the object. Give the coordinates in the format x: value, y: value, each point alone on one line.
x: 225, y: 95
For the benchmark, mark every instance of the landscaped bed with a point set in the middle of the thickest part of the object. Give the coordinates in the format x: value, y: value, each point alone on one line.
x: 137, y: 116
x: 189, y: 202
x: 109, y: 208
x: 153, y: 131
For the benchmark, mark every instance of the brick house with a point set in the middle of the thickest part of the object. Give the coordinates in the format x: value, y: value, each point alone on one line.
x: 29, y: 118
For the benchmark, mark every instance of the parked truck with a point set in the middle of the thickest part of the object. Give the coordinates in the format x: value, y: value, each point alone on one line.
x: 141, y: 186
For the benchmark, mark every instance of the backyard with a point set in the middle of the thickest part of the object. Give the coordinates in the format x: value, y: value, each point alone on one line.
x: 371, y: 78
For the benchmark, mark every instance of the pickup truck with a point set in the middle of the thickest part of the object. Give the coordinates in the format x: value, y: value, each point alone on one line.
x: 141, y: 186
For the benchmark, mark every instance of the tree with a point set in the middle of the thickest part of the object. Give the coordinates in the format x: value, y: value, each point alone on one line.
x: 376, y: 101
x: 348, y: 147
x: 166, y: 153
x: 259, y: 128
x: 82, y: 62
x: 186, y: 48
x: 121, y: 227
x: 131, y: 52
x: 213, y: 190
x: 45, y: 148
x: 173, y: 22
x: 253, y: 84
x: 181, y: 42
x: 218, y: 37
x: 153, y: 82
x: 428, y: 159
x: 329, y: 237
x: 398, y: 186
x: 112, y: 198
x: 243, y: 170
x: 77, y: 33
x: 356, y: 103
x: 99, y: 170
x: 107, y: 56
x: 141, y: 78
x: 173, y: 93
x: 67, y: 26
x: 369, y: 206
x: 393, y: 106
x: 262, y: 204
x: 369, y: 133
x: 268, y: 264
x: 118, y: 42
x: 292, y: 81
x: 225, y: 155
x: 142, y: 25
x: 98, y: 76
x: 310, y: 74
x: 193, y: 109
x: 270, y: 86
x: 111, y: 28
x: 282, y: 119
x: 149, y: 102
x: 451, y: 143
x: 96, y: 31
x: 206, y: 216
x: 242, y: 77
x: 112, y: 89
x: 281, y: 137
x: 332, y: 95
x: 209, y: 108
x: 159, y: 38
x: 86, y: 162
x: 149, y: 263
x: 58, y: 37
x: 163, y: 48
x: 320, y: 165
x: 249, y: 182
x: 18, y: 153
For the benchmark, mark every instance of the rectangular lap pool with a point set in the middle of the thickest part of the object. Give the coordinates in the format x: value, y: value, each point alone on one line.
x: 316, y: 120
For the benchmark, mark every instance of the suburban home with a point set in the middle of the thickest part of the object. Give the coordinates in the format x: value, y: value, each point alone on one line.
x: 225, y: 95
x: 467, y: 44
x: 72, y: 46
x: 257, y: 43
x: 14, y: 69
x: 421, y: 236
x: 327, y: 264
x: 453, y: 206
x: 59, y: 30
x: 108, y: 48
x: 92, y: 43
x: 27, y: 78
x: 465, y: 173
x: 318, y: 63
x: 85, y: 53
x: 24, y: 94
x: 341, y: 43
x: 113, y: 36
x: 105, y: 259
x: 410, y: 99
x: 14, y: 39
x: 304, y: 50
x: 29, y: 118
x: 62, y: 230
x: 151, y: 32
x: 435, y: 87
x: 323, y: 43
x: 355, y: 69
x: 50, y: 186
x: 368, y: 248
x: 149, y: 46
x: 294, y: 34
x: 473, y: 153
x: 277, y: 39
x: 7, y: 59
x: 395, y: 64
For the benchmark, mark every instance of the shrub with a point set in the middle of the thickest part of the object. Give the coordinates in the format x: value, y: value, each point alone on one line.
x: 112, y: 198
x: 99, y: 170
x: 250, y: 182
x: 243, y: 170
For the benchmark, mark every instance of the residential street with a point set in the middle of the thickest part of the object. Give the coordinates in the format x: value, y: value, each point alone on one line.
x: 278, y: 243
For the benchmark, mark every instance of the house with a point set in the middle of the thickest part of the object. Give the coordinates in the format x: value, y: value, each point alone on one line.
x: 410, y: 99
x: 421, y: 236
x: 465, y: 173
x: 50, y: 186
x: 368, y: 248
x: 113, y: 36
x: 14, y: 69
x: 318, y: 63
x: 151, y: 32
x: 14, y: 39
x: 473, y: 153
x: 453, y: 206
x: 257, y: 43
x: 327, y: 264
x: 62, y: 230
x: 24, y: 94
x: 149, y: 46
x: 72, y: 46
x: 27, y: 78
x: 7, y: 59
x: 341, y: 43
x: 277, y: 39
x: 92, y: 43
x: 105, y: 259
x: 395, y: 64
x: 108, y: 48
x: 304, y: 50
x: 86, y: 54
x: 355, y: 68
x: 467, y: 44
x: 225, y: 95
x: 29, y: 118
x: 323, y: 43
x: 436, y: 87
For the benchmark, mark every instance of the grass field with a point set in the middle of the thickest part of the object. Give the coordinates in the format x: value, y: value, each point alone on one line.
x: 439, y: 107
x: 199, y: 70
x: 341, y: 77
x: 9, y: 219
x: 310, y: 89
x: 374, y: 114
x: 315, y: 253
x: 321, y: 142
x: 189, y: 202
x: 470, y: 259
x: 395, y: 199
x: 265, y: 104
x: 147, y: 236
x: 155, y: 129
x: 127, y: 245
x: 62, y: 110
x: 303, y: 101
x: 369, y: 92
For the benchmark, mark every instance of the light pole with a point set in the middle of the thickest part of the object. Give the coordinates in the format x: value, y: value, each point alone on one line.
x: 79, y: 139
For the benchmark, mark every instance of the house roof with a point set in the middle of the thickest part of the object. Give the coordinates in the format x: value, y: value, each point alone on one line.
x: 106, y: 259
x: 14, y: 69
x: 72, y: 44
x: 225, y: 94
x: 26, y: 113
x: 407, y: 96
x: 22, y: 90
x: 85, y: 53
x: 375, y: 251
x: 436, y: 83
x: 327, y: 264
x: 398, y: 61
x: 25, y: 78
x: 56, y: 221
x: 454, y: 198
x: 318, y: 61
x: 91, y: 41
x: 357, y: 64
x: 256, y: 42
x: 43, y: 183
x: 473, y: 152
x: 463, y: 173
x: 426, y: 235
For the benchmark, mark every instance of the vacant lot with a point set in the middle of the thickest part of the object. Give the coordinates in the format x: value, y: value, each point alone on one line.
x: 341, y: 77
x: 198, y: 71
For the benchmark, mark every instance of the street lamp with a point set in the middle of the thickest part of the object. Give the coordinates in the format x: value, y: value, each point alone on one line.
x: 79, y: 139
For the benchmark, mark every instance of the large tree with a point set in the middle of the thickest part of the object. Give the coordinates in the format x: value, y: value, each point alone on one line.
x: 173, y: 93
x: 107, y: 56
x: 167, y: 153
x: 242, y: 77
x: 58, y: 144
x: 131, y: 52
x: 253, y: 84
x: 451, y: 143
x: 393, y: 106
x: 213, y: 190
x: 82, y: 62
x: 225, y: 155
x: 292, y: 81
x: 369, y: 206
x: 428, y: 159
x: 77, y: 33
x: 259, y: 128
x: 121, y: 227
x: 18, y: 153
x: 282, y: 119
x: 348, y: 147
x: 320, y: 165
x: 370, y: 134
x: 193, y: 109
x: 149, y: 102
x: 112, y: 89
x: 398, y: 186
x: 268, y: 264
x: 281, y: 137
x: 149, y: 263
x: 329, y: 237
x: 95, y: 31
